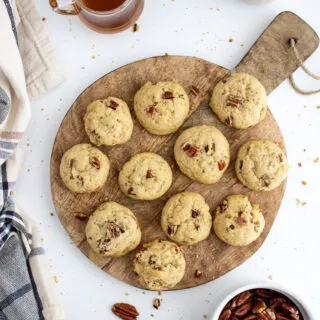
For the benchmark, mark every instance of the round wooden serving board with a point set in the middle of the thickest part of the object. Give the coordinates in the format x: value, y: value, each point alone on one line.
x: 212, y: 257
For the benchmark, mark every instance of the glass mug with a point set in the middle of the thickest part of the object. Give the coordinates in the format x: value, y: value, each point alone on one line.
x: 111, y: 20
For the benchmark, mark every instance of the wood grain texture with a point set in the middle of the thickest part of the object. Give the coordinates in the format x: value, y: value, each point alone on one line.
x: 212, y: 257
x: 270, y: 59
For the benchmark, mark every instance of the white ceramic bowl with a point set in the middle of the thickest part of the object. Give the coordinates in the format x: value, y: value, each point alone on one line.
x: 306, y: 312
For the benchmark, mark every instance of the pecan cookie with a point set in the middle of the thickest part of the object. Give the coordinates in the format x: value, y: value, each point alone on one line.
x: 202, y: 153
x: 237, y: 221
x: 239, y: 101
x: 186, y: 218
x: 84, y: 168
x: 261, y: 165
x: 161, y: 108
x: 108, y: 122
x: 146, y: 176
x: 160, y: 265
x: 113, y: 230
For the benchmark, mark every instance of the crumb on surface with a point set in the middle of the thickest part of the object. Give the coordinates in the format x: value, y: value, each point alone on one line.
x: 316, y: 160
x: 303, y: 204
x: 44, y: 19
x: 83, y: 67
x: 135, y: 27
x: 205, y: 316
x: 126, y: 293
x: 55, y: 279
x: 318, y: 107
x: 299, y: 164
x: 270, y: 277
x: 298, y: 201
x: 93, y: 57
x: 230, y: 40
x: 304, y: 182
x: 51, y: 214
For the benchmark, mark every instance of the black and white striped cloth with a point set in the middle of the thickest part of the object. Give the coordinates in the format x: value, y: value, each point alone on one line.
x: 10, y: 220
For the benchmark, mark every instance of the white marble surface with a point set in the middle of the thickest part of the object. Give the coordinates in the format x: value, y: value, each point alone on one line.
x: 202, y: 28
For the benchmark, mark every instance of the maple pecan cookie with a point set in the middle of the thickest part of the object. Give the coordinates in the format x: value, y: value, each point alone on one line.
x: 261, y: 165
x: 108, y: 122
x: 238, y: 222
x: 161, y: 108
x: 113, y: 230
x: 146, y: 176
x: 84, y: 168
x: 239, y: 101
x: 186, y: 218
x: 160, y: 265
x: 202, y: 153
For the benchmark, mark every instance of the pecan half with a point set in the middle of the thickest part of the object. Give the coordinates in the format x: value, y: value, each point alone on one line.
x: 221, y: 164
x: 243, y: 310
x: 156, y: 303
x: 259, y: 307
x: 194, y: 90
x: 234, y: 101
x: 131, y: 191
x: 198, y: 274
x: 167, y: 95
x: 125, y: 311
x: 95, y: 162
x: 271, y: 315
x: 252, y: 317
x: 225, y: 315
x: 195, y: 213
x: 264, y: 293
x: 151, y: 109
x: 192, y: 152
x: 113, y: 105
x: 262, y: 316
x: 172, y: 230
x: 242, y: 298
x: 149, y: 174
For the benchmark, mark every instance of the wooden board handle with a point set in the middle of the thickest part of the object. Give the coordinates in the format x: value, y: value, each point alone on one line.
x: 271, y: 59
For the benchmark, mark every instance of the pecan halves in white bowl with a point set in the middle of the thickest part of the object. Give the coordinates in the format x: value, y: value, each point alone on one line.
x: 262, y: 301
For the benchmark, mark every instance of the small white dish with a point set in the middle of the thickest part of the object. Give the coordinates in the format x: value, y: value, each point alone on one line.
x: 304, y: 309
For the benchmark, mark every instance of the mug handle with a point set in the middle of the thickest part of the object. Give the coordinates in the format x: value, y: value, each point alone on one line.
x: 65, y: 7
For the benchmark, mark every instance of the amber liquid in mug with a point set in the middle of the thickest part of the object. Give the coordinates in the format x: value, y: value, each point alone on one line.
x: 103, y: 5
